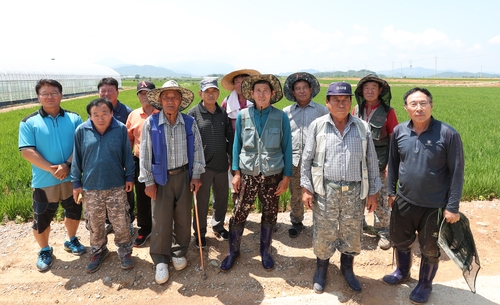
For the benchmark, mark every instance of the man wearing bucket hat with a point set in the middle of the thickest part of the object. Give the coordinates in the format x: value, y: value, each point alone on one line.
x: 426, y: 162
x: 134, y: 124
x: 300, y: 88
x: 235, y: 102
x: 217, y: 136
x: 339, y: 170
x: 171, y: 162
x: 262, y: 163
x: 373, y: 95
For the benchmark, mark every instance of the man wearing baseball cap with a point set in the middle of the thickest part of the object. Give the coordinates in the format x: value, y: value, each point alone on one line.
x: 339, y: 170
x: 217, y: 136
x: 134, y: 124
x: 300, y: 88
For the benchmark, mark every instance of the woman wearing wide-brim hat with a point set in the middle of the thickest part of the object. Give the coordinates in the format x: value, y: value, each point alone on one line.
x: 235, y: 102
x: 262, y: 163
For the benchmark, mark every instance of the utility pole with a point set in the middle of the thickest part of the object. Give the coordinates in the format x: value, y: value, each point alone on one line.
x: 410, y: 69
x: 401, y: 69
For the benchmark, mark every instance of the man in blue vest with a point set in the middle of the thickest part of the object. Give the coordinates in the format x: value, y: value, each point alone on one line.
x: 171, y: 161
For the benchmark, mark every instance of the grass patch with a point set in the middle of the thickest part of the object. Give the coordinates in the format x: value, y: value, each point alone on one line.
x: 472, y: 111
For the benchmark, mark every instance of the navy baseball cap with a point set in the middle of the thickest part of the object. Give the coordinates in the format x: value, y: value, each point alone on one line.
x: 145, y: 85
x: 340, y: 88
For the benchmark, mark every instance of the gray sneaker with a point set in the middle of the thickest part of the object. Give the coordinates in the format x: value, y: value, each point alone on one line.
x: 384, y: 243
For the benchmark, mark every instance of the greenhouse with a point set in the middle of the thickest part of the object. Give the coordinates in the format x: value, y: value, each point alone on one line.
x: 17, y: 81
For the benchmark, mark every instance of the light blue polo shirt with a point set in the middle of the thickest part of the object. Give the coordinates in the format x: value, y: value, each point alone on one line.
x: 52, y: 137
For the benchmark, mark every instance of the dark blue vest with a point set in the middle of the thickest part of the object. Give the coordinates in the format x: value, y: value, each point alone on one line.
x: 160, y: 160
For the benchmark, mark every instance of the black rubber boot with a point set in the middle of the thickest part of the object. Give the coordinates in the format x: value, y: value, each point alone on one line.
x: 295, y: 230
x: 346, y: 268
x: 402, y: 272
x: 234, y: 247
x: 421, y: 293
x: 266, y: 236
x: 319, y: 279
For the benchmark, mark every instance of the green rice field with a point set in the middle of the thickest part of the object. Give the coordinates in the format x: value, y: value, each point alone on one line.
x: 471, y: 110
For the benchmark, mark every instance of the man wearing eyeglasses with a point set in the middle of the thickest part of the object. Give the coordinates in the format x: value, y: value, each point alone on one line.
x: 426, y: 160
x: 339, y: 171
x: 46, y: 140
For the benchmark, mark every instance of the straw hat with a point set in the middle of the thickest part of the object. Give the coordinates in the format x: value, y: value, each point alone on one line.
x: 295, y: 77
x: 248, y: 83
x: 227, y: 80
x: 186, y: 94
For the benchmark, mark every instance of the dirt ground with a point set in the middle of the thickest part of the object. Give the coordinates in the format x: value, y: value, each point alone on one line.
x: 247, y: 283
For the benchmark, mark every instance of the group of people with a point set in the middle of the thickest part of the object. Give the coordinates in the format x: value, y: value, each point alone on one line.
x: 335, y: 161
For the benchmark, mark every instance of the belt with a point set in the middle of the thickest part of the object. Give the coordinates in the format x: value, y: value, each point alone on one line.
x: 177, y: 170
x: 342, y: 186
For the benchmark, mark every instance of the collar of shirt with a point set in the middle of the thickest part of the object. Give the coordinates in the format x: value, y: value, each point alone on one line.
x: 310, y: 104
x: 203, y: 109
x: 163, y: 119
x: 44, y: 114
x: 410, y: 123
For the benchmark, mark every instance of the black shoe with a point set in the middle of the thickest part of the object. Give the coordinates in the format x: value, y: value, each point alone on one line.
x: 141, y: 240
x: 222, y: 235
x: 295, y: 230
x: 203, y: 242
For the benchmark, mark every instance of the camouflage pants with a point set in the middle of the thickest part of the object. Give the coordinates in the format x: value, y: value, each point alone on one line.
x: 383, y: 212
x: 250, y: 188
x: 114, y: 201
x: 296, y: 204
x: 337, y: 222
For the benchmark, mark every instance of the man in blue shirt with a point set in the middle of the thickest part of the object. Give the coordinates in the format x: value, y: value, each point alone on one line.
x: 103, y: 172
x: 262, y: 163
x: 46, y: 141
x: 108, y: 89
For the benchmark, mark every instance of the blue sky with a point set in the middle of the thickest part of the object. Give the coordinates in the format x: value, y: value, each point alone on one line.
x: 271, y: 36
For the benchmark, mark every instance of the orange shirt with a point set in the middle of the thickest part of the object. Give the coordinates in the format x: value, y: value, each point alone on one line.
x: 134, y: 127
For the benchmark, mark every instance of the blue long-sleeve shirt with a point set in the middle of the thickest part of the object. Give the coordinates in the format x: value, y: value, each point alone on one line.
x: 260, y: 117
x: 101, y: 162
x: 429, y: 167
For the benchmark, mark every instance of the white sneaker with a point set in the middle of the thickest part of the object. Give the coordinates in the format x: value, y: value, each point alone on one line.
x: 179, y: 263
x: 161, y: 273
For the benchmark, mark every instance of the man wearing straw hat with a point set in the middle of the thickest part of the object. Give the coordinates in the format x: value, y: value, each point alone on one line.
x: 300, y: 88
x: 172, y: 161
x: 373, y: 95
x: 235, y: 102
x: 262, y: 163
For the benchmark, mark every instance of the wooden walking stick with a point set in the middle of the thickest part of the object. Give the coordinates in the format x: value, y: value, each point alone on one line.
x: 204, y: 275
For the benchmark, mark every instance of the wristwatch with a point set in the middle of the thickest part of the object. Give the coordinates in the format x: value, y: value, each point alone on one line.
x: 67, y: 163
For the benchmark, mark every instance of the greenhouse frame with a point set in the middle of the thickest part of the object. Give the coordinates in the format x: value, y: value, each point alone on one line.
x: 17, y: 81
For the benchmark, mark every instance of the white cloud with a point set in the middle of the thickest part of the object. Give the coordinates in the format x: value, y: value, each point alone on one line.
x: 429, y: 39
x: 495, y: 40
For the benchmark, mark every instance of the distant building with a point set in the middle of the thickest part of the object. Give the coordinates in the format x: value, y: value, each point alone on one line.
x: 18, y: 80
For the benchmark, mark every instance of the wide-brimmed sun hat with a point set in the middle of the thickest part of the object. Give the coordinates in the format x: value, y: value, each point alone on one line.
x: 248, y: 83
x: 227, y: 80
x: 295, y: 77
x: 187, y: 95
x: 385, y: 96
